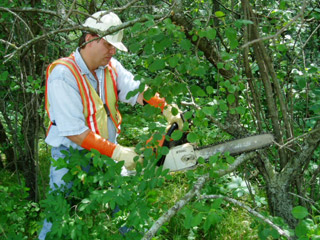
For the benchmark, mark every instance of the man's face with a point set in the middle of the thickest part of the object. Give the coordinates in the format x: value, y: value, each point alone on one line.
x: 101, y: 51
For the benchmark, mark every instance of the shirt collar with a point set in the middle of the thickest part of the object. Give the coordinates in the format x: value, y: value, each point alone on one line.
x: 81, y: 63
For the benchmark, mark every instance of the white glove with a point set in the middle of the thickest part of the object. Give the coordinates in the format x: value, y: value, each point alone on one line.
x: 167, y: 113
x: 126, y: 154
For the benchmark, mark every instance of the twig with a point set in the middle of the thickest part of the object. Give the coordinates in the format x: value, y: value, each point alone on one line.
x: 280, y: 31
x: 296, y: 138
x: 250, y: 210
x: 17, y: 16
x: 282, y: 145
x: 192, y: 193
x: 68, y: 14
x: 303, y: 198
x: 9, y: 43
x: 314, y: 31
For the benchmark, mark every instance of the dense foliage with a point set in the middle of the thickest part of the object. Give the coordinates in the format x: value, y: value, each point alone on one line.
x: 234, y: 68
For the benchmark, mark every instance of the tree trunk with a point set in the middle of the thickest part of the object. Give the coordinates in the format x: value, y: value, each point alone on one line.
x: 280, y: 201
x: 7, y: 150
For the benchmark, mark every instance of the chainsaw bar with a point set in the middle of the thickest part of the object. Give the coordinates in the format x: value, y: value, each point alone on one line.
x: 235, y: 147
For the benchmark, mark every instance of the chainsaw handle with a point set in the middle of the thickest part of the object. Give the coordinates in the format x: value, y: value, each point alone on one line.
x: 173, y: 127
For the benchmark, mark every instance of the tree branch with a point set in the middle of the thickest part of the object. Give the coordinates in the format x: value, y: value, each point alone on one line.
x: 310, y: 145
x: 250, y: 210
x: 78, y: 27
x: 17, y: 16
x: 195, y: 191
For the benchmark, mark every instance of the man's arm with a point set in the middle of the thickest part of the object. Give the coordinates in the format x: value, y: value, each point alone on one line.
x: 78, y: 139
x: 140, y: 98
x: 90, y: 140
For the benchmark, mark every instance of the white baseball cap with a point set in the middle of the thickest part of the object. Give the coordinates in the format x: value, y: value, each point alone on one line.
x: 102, y: 23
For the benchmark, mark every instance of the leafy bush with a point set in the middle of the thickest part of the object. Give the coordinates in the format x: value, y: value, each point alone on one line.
x: 101, y: 202
x: 18, y: 215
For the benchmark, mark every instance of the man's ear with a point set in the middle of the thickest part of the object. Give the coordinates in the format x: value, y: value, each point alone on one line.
x: 90, y: 36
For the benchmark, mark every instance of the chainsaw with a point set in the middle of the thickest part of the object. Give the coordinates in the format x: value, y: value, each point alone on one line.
x: 185, y: 156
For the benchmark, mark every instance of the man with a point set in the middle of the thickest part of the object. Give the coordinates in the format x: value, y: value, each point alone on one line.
x: 82, y: 92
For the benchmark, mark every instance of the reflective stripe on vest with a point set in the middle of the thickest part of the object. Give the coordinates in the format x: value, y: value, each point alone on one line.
x: 93, y: 107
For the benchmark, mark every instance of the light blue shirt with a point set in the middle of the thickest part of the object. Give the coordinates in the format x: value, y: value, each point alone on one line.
x: 66, y: 108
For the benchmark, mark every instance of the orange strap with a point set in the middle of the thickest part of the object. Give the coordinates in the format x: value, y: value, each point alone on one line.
x: 94, y: 141
x: 157, y: 102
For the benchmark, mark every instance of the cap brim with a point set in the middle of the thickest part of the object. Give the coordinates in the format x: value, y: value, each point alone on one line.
x: 118, y: 45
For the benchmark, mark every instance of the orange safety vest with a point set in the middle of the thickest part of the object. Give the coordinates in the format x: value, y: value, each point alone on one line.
x: 93, y: 107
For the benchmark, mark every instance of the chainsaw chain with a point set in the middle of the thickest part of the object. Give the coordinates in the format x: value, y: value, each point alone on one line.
x: 229, y: 140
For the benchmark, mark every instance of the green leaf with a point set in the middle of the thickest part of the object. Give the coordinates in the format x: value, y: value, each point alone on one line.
x: 219, y: 14
x: 220, y: 65
x: 187, y: 115
x: 4, y: 76
x: 136, y: 27
x: 282, y: 47
x: 185, y: 44
x: 162, y: 45
x: 134, y: 47
x: 231, y: 98
x: 173, y: 61
x: 211, y: 33
x: 209, y: 110
x: 316, y: 108
x: 209, y: 89
x: 174, y: 111
x: 192, y: 137
x: 201, y: 93
x: 164, y: 150
x: 157, y: 64
x: 302, y: 82
x: 301, y: 229
x: 197, y: 219
x: 188, y: 219
x: 241, y: 110
x: 241, y: 22
x: 223, y: 106
x: 299, y: 212
x: 216, y: 203
x: 313, y: 70
x: 176, y: 135
x: 148, y: 94
x: 212, y: 219
x: 232, y: 36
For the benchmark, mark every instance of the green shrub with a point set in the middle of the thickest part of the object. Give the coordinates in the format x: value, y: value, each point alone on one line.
x: 18, y: 215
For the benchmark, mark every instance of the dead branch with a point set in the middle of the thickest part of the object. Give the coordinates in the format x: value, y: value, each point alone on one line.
x: 250, y: 210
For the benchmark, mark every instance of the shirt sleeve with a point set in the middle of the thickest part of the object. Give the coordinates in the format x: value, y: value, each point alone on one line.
x: 125, y: 83
x: 66, y: 108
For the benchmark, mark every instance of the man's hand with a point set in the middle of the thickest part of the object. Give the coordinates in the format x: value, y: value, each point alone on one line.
x: 126, y: 154
x: 167, y: 113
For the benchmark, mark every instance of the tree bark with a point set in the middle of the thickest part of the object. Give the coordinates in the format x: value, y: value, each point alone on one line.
x: 280, y: 201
